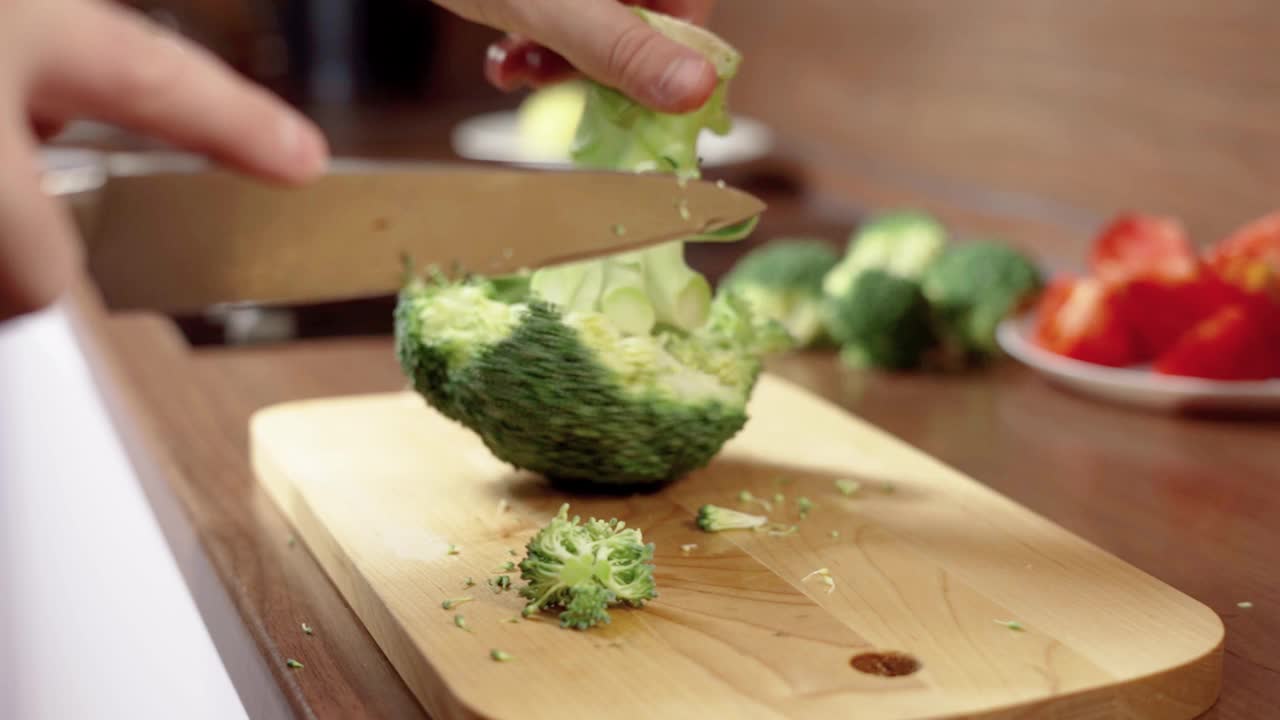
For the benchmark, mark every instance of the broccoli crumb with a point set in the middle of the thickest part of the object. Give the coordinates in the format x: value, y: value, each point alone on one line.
x: 500, y: 583
x: 461, y: 623
x: 683, y: 208
x: 506, y: 567
x: 746, y: 497
x: 454, y: 550
x: 835, y: 533
x: 294, y: 664
x: 619, y: 229
x: 848, y: 487
x: 784, y: 530
x: 306, y: 629
x: 688, y: 548
x: 779, y: 499
x: 512, y: 620
x: 1011, y: 624
x: 1244, y: 605
x: 468, y: 583
x: 512, y: 552
x: 713, y: 518
x: 499, y: 655
x: 804, y: 505
x: 720, y: 184
x: 452, y: 603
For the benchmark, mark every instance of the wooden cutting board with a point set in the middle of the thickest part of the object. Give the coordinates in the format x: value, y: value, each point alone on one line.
x: 929, y: 566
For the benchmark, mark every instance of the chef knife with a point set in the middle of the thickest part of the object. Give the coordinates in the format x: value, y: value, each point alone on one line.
x: 179, y: 242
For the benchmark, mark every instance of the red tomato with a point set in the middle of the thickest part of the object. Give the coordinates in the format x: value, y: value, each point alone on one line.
x: 1238, y: 342
x: 1143, y: 246
x: 1159, y: 312
x: 1078, y: 318
x: 1250, y: 257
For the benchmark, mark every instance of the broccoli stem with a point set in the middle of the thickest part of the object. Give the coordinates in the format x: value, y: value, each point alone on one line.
x: 653, y: 287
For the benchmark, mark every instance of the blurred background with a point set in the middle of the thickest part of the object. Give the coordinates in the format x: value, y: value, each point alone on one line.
x: 1031, y: 119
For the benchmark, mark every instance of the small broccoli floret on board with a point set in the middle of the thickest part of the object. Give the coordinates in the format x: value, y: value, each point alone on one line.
x: 713, y: 518
x: 782, y: 280
x: 585, y: 568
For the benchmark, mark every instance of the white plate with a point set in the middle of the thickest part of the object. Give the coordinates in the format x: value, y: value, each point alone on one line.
x: 493, y: 137
x: 1136, y: 386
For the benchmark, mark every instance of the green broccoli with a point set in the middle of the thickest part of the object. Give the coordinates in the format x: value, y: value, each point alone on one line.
x: 875, y: 307
x: 618, y: 372
x: 973, y: 287
x: 713, y: 518
x: 782, y: 280
x: 586, y: 567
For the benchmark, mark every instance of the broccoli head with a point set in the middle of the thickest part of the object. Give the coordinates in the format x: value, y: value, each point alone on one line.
x: 616, y: 372
x: 782, y: 280
x: 568, y: 394
x: 585, y: 568
x: 875, y: 307
x: 973, y: 287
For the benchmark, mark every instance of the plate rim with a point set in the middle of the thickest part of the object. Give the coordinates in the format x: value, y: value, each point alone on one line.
x: 1013, y: 338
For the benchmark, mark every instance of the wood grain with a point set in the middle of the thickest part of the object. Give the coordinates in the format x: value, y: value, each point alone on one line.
x: 380, y: 486
x: 1164, y: 106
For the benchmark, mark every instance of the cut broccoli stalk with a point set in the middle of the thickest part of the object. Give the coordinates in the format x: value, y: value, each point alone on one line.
x: 585, y: 568
x: 713, y: 518
x: 875, y: 307
x: 618, y: 133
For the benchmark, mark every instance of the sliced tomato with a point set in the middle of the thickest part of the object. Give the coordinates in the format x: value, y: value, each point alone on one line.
x: 1159, y: 312
x: 1250, y: 257
x: 1079, y: 318
x: 1240, y: 341
x: 1143, y: 246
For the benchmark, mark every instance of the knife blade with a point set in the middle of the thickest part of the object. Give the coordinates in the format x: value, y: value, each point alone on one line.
x: 179, y: 242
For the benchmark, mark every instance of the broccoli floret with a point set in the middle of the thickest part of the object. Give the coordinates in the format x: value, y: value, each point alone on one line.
x: 972, y: 288
x: 782, y: 280
x: 621, y: 371
x: 714, y: 518
x: 875, y: 307
x: 585, y: 568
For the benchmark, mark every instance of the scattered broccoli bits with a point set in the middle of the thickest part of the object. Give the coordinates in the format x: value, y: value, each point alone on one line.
x: 499, y: 655
x: 452, y: 603
x: 714, y: 518
x: 745, y: 496
x: 586, y: 567
x: 1011, y: 624
x: 461, y: 622
x: 294, y: 664
x: 825, y: 575
x: 1244, y: 605
x: 307, y: 629
x: 804, y: 506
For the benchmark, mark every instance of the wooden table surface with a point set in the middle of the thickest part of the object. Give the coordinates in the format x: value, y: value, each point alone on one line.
x: 1192, y: 501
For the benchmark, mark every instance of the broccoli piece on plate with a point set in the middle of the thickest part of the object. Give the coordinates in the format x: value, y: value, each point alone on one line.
x: 782, y: 280
x: 972, y: 288
x: 875, y: 307
x: 585, y: 568
x: 623, y: 371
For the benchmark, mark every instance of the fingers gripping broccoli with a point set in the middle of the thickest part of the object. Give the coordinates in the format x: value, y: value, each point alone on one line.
x: 973, y: 287
x: 782, y: 280
x: 875, y: 307
x: 622, y: 371
x: 585, y: 568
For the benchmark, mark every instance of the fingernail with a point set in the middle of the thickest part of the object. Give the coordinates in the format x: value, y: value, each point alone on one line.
x: 685, y: 81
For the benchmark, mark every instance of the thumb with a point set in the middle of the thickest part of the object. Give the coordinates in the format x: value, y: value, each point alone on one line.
x: 614, y: 46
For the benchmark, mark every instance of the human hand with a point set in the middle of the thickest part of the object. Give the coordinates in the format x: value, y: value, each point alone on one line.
x: 547, y: 39
x: 62, y: 60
